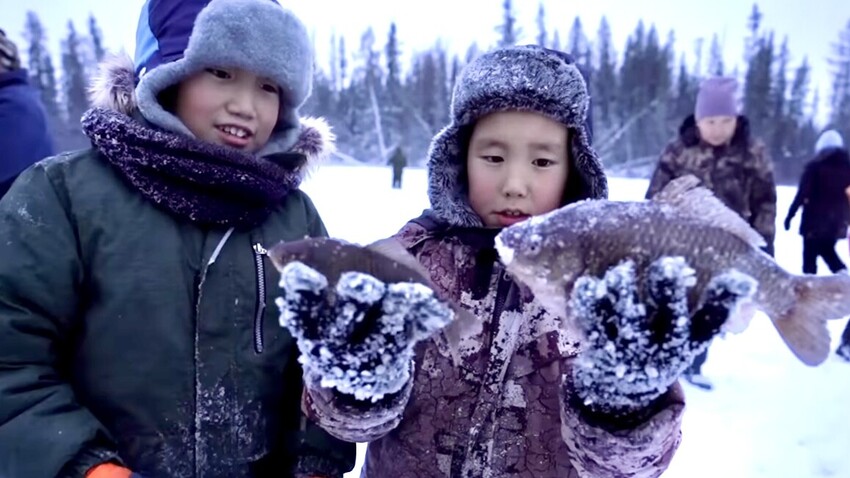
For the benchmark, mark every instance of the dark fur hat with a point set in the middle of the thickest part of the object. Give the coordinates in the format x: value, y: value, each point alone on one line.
x: 522, y: 78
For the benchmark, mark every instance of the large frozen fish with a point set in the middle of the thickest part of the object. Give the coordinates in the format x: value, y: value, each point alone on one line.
x: 548, y: 253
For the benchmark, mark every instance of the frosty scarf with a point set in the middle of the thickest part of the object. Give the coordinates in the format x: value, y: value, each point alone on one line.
x: 193, y: 180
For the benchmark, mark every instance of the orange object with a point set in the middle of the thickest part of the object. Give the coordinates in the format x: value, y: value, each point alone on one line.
x: 108, y: 470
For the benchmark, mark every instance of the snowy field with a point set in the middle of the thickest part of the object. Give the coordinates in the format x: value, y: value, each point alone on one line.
x: 768, y: 416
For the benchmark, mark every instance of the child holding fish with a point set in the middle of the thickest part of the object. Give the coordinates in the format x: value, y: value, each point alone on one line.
x: 513, y: 386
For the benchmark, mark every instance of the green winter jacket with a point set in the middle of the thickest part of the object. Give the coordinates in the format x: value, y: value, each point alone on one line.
x: 127, y: 335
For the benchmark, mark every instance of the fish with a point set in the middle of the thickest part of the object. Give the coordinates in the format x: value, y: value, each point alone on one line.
x: 549, y: 252
x: 387, y: 260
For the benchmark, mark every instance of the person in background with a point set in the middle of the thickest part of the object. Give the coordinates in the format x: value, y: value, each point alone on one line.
x: 826, y: 212
x: 24, y: 133
x: 715, y: 145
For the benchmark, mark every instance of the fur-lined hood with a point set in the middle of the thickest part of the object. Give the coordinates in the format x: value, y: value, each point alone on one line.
x: 521, y: 78
x: 114, y: 88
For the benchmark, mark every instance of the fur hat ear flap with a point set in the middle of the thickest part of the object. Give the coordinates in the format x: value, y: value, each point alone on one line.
x: 114, y: 84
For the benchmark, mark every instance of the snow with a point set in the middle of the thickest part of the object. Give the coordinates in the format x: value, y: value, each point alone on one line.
x: 768, y: 416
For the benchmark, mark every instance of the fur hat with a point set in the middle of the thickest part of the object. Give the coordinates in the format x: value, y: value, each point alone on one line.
x: 177, y: 38
x: 521, y: 78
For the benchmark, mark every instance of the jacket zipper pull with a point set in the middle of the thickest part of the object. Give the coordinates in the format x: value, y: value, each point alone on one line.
x: 259, y: 249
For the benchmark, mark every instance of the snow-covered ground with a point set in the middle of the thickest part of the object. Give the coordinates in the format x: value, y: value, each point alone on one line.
x: 768, y: 416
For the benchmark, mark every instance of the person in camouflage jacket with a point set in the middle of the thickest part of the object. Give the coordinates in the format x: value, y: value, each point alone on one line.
x: 737, y: 169
x: 715, y: 145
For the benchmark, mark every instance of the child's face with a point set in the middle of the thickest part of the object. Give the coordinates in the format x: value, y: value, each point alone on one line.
x: 517, y: 164
x: 229, y: 107
x: 717, y: 130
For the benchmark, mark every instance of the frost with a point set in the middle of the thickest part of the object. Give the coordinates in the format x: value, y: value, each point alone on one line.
x: 361, y: 343
x: 360, y: 287
x: 506, y: 253
x: 297, y: 276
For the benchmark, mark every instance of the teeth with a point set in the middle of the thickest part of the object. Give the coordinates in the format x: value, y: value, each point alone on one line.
x: 235, y: 131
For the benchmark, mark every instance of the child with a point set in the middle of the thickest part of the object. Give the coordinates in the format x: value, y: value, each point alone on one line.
x: 511, y: 399
x: 134, y: 332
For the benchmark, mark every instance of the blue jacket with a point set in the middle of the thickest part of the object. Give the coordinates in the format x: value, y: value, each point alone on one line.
x: 24, y: 136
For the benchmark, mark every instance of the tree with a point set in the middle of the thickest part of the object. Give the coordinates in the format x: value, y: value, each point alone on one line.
x: 73, y: 78
x: 605, y: 79
x: 334, y: 61
x: 757, y: 86
x: 542, y: 34
x: 97, y: 39
x: 715, y: 58
x: 840, y: 98
x: 578, y: 43
x: 752, y: 42
x: 509, y: 32
x: 41, y: 71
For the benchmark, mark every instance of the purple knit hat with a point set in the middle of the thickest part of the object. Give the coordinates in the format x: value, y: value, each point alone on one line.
x: 716, y: 97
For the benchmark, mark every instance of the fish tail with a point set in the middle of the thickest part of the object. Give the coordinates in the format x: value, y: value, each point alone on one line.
x: 818, y: 299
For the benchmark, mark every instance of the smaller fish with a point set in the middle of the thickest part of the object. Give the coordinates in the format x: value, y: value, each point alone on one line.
x: 386, y: 260
x: 549, y: 252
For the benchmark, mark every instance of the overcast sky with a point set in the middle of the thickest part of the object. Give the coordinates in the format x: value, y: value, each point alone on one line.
x: 812, y: 26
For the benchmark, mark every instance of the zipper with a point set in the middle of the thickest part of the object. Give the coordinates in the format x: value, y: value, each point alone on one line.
x: 259, y: 261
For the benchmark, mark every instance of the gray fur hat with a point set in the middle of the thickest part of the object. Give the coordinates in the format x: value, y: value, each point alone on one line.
x: 177, y: 38
x: 521, y: 78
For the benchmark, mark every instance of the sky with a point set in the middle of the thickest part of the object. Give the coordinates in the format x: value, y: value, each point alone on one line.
x: 769, y: 415
x: 811, y: 26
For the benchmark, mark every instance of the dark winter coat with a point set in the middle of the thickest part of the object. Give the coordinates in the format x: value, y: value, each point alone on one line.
x: 398, y: 162
x: 24, y: 136
x: 127, y: 334
x: 826, y: 213
x: 740, y: 174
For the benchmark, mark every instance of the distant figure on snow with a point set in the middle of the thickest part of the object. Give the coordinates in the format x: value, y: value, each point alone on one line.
x: 398, y: 161
x: 826, y: 212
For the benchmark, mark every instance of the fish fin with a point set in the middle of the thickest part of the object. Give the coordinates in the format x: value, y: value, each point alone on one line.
x: 691, y: 199
x: 803, y: 326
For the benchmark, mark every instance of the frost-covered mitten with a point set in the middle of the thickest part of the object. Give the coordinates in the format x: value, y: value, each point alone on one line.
x: 357, y: 336
x: 637, y: 349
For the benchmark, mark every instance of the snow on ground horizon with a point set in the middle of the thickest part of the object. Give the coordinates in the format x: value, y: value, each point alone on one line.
x: 768, y: 416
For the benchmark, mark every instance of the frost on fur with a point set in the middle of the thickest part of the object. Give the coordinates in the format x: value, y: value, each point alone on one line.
x: 113, y: 86
x: 316, y: 141
x: 638, y: 349
x: 360, y: 344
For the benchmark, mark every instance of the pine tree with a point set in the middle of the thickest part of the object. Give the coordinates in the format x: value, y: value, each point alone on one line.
x: 556, y: 40
x: 73, y: 79
x: 578, y: 43
x: 753, y: 40
x: 343, y: 64
x: 42, y: 73
x: 605, y: 80
x: 509, y: 32
x: 393, y: 111
x: 715, y: 58
x: 542, y: 34
x: 757, y: 86
x: 97, y: 39
x: 840, y: 98
x: 334, y: 61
